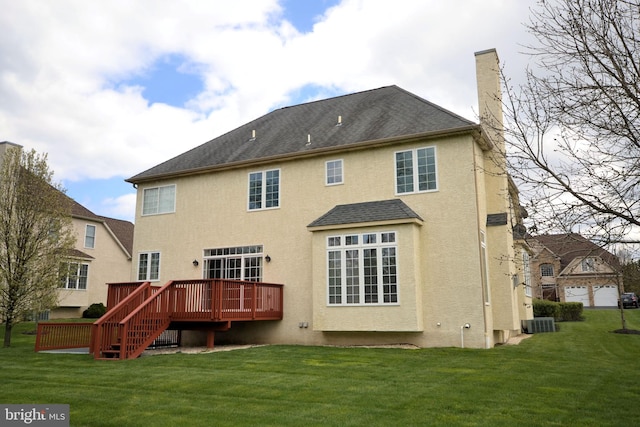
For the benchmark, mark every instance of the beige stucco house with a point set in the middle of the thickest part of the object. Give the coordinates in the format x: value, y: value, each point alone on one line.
x: 387, y: 218
x: 102, y: 254
x: 570, y: 268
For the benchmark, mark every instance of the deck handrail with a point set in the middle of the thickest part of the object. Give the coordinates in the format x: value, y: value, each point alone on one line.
x: 105, y: 330
x: 54, y: 336
x: 119, y: 291
x: 197, y: 300
x: 145, y: 311
x: 145, y: 323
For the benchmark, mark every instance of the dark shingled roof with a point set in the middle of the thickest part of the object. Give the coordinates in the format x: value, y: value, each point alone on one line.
x: 570, y: 246
x: 373, y: 115
x: 385, y: 210
x: 75, y: 253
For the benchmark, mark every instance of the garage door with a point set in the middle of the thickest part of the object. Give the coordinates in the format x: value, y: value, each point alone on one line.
x: 605, y: 296
x: 577, y: 294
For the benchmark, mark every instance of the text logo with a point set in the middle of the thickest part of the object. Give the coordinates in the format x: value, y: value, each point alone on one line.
x: 34, y: 415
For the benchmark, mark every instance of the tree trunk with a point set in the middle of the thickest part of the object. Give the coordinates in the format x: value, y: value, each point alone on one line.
x: 622, y: 319
x: 8, y: 326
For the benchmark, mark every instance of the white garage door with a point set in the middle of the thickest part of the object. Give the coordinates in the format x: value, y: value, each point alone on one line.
x: 605, y: 296
x: 577, y: 294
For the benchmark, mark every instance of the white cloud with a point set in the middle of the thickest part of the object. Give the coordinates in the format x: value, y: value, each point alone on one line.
x: 60, y: 63
x: 123, y: 207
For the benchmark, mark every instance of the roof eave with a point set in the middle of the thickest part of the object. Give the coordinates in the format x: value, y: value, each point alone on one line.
x: 416, y: 221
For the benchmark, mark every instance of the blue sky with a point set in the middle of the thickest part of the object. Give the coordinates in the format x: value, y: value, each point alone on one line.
x: 110, y: 89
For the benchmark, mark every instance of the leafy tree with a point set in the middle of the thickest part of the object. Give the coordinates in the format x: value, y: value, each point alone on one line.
x: 573, y: 129
x: 35, y: 236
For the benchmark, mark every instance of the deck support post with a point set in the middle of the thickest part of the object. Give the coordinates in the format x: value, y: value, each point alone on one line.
x: 211, y: 334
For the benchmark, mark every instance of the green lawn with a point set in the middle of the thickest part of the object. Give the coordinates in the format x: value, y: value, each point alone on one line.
x: 582, y: 375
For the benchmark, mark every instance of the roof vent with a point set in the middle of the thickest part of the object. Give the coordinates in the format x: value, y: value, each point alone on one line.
x: 308, y: 139
x: 339, y: 121
x: 253, y: 135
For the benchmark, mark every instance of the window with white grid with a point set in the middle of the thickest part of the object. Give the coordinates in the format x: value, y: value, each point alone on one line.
x: 362, y: 269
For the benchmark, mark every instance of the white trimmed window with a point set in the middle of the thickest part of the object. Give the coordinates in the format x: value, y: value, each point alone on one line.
x: 159, y: 200
x: 264, y: 189
x: 333, y: 172
x: 588, y: 264
x: 90, y: 236
x: 239, y: 263
x: 416, y: 170
x: 149, y: 266
x: 362, y: 269
x: 74, y: 275
x: 546, y: 270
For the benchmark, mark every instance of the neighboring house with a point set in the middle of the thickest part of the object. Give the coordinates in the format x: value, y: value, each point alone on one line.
x: 570, y: 268
x: 102, y: 254
x: 387, y: 218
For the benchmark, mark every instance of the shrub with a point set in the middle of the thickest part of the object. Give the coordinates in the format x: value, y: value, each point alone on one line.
x: 545, y: 308
x: 94, y: 311
x: 560, y: 311
x: 571, y: 311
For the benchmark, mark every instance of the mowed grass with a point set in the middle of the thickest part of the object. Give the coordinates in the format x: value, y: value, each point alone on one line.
x: 583, y: 375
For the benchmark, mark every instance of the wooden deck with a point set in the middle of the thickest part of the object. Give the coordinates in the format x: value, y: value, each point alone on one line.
x: 138, y: 313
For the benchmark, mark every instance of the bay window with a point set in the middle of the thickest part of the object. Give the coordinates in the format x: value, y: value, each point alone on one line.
x: 362, y: 269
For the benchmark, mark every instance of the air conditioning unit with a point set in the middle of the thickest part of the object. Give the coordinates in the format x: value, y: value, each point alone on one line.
x: 540, y: 324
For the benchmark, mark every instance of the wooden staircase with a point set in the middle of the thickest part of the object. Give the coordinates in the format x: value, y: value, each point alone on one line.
x: 133, y: 324
x: 107, y: 331
x: 140, y: 313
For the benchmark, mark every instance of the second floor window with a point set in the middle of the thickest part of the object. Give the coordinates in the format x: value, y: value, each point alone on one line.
x: 159, y: 200
x: 334, y: 172
x: 90, y: 236
x: 546, y: 270
x: 416, y: 170
x: 264, y: 189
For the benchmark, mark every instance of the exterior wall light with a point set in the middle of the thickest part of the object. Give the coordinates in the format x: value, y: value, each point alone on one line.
x: 195, y: 263
x: 267, y: 258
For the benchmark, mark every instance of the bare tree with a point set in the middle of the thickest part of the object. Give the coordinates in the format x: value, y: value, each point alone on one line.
x: 573, y: 129
x: 35, y: 236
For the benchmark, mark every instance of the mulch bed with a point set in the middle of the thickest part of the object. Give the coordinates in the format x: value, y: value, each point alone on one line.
x: 627, y: 331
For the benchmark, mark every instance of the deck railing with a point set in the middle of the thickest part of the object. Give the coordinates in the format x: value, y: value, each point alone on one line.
x: 61, y: 335
x: 54, y: 336
x: 213, y: 300
x: 106, y: 330
x: 141, y: 312
x: 119, y: 291
x: 223, y: 300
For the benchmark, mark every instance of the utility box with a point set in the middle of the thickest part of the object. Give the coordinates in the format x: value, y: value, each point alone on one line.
x: 541, y: 324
